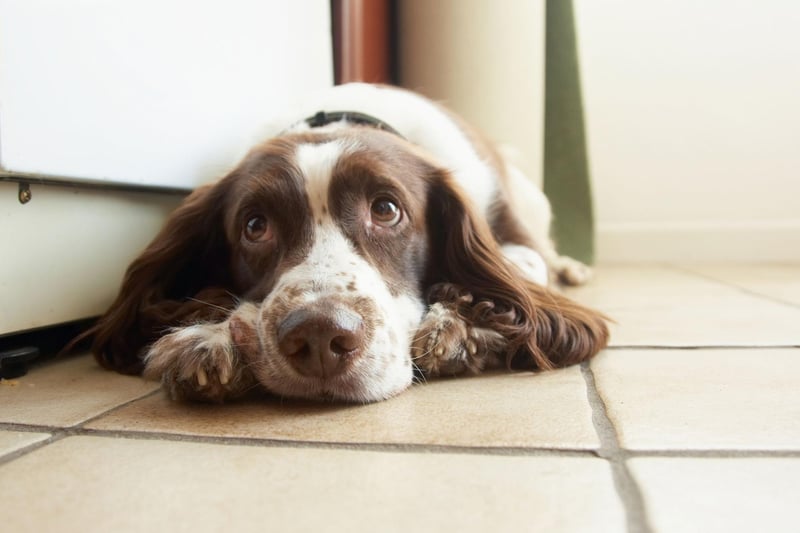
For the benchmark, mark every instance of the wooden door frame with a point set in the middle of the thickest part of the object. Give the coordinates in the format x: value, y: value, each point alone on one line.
x: 364, y: 40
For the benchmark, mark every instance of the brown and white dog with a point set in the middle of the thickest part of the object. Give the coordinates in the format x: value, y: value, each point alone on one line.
x: 342, y: 256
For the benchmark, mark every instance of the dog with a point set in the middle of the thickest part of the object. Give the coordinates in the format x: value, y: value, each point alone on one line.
x: 371, y: 243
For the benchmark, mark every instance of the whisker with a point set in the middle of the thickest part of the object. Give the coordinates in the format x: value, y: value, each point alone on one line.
x: 215, y: 306
x: 251, y: 387
x: 235, y: 298
x: 240, y: 344
x: 421, y: 356
x: 419, y: 375
x: 424, y: 354
x: 429, y: 334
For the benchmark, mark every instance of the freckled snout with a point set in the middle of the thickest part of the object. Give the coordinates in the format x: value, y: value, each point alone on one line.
x: 321, y: 339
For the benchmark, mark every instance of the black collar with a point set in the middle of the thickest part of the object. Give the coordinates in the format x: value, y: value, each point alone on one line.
x: 323, y: 118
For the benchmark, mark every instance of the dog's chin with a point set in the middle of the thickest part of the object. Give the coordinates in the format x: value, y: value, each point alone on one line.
x: 348, y: 388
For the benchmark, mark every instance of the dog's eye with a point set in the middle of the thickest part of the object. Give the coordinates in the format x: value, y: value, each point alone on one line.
x: 385, y: 213
x: 257, y: 229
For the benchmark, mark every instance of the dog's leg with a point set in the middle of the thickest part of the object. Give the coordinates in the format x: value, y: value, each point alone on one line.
x: 203, y: 361
x: 448, y: 342
x: 532, y: 208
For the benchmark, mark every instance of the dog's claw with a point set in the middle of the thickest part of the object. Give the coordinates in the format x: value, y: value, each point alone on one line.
x: 472, y: 348
x: 447, y: 344
x: 202, y: 377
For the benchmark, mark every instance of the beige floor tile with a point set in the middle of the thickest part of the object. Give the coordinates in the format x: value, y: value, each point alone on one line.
x: 663, y: 306
x: 720, y: 495
x: 702, y: 399
x: 66, y: 392
x: 97, y: 484
x: 520, y: 409
x: 11, y: 441
x: 781, y: 282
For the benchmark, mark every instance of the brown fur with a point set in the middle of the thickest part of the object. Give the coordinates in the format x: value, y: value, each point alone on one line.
x: 178, y: 279
x: 544, y: 329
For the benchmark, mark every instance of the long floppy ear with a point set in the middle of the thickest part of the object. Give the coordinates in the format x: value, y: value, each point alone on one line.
x: 544, y: 329
x: 187, y: 259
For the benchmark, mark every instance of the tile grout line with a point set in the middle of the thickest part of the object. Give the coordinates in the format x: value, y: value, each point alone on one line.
x: 623, y: 347
x: 55, y: 436
x: 627, y: 488
x: 117, y: 407
x: 728, y: 453
x: 508, y: 451
x: 57, y: 433
x: 745, y: 290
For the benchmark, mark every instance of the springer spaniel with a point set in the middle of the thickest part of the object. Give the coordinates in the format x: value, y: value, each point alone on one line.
x: 377, y: 239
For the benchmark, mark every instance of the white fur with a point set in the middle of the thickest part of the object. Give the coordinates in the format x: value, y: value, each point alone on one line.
x: 200, y: 348
x: 316, y: 162
x: 528, y: 261
x: 384, y: 368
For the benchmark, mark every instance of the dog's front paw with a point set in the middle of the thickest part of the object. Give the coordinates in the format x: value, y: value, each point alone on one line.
x: 446, y: 344
x: 570, y: 271
x: 197, y: 363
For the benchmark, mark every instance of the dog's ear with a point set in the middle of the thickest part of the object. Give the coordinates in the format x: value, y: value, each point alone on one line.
x: 180, y: 276
x: 543, y: 328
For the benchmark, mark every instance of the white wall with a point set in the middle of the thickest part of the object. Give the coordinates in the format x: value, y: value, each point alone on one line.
x: 692, y: 112
x: 693, y: 116
x: 484, y: 60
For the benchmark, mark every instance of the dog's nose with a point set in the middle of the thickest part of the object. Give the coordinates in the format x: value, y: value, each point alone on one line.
x: 320, y: 340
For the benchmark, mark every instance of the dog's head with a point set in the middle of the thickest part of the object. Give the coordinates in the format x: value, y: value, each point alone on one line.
x: 333, y: 240
x: 329, y: 234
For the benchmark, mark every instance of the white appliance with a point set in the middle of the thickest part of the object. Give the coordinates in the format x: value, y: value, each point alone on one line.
x: 111, y: 111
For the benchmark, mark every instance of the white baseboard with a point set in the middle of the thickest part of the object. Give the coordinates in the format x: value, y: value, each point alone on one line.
x: 744, y: 241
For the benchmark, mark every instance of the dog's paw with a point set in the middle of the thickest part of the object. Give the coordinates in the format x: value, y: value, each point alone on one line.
x: 446, y: 344
x: 197, y: 363
x: 570, y: 271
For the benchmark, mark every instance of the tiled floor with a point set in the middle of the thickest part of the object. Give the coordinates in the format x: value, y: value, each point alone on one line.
x: 689, y: 422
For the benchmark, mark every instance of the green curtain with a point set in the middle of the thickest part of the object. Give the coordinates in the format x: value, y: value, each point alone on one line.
x: 566, y: 169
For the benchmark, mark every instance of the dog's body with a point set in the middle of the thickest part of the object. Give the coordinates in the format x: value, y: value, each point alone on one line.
x: 340, y: 256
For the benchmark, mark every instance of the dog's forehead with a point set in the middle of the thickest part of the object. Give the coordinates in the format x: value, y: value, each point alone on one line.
x: 343, y: 163
x: 316, y: 163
